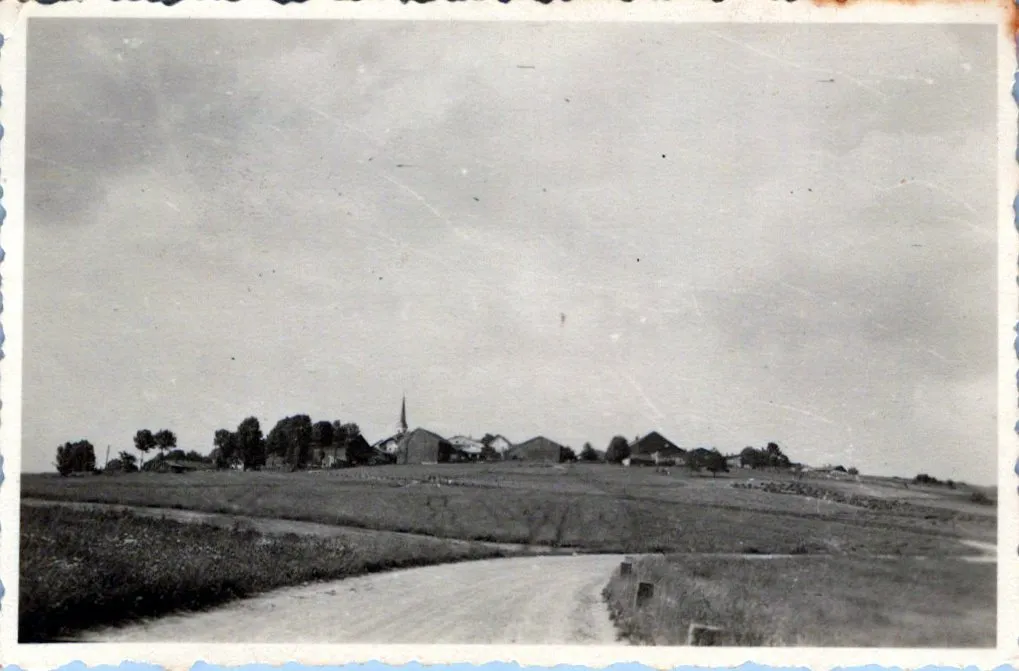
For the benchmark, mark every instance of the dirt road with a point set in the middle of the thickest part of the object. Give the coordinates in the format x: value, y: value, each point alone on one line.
x: 530, y: 600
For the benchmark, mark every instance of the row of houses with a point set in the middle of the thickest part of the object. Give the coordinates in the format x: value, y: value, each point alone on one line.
x: 422, y: 446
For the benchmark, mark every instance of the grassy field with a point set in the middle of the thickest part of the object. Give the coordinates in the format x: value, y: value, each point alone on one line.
x: 83, y: 569
x: 591, y: 507
x: 815, y: 601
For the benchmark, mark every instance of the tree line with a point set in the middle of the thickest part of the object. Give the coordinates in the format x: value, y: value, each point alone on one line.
x: 293, y: 440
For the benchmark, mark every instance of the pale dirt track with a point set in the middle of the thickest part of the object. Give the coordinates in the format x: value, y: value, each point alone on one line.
x: 529, y: 600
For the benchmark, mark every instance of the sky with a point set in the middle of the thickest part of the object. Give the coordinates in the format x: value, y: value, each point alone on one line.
x: 732, y: 234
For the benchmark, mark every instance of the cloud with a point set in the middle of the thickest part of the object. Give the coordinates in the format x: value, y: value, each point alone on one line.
x: 257, y: 218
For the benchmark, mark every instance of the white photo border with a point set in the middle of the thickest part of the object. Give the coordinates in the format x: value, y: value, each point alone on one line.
x: 14, y: 19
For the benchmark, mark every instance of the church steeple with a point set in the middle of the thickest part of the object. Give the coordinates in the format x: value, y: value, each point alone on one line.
x: 403, y: 416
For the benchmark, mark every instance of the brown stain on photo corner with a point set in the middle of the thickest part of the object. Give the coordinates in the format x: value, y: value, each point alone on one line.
x: 1009, y: 9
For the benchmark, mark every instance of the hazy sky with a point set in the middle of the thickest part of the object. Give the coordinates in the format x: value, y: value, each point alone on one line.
x: 731, y: 234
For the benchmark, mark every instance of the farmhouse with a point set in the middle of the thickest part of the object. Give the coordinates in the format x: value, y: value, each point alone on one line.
x: 421, y: 446
x: 329, y: 457
x: 466, y: 448
x: 500, y: 444
x: 654, y: 448
x: 390, y: 445
x: 538, y: 448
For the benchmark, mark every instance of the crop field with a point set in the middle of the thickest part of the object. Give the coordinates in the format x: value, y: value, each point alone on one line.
x: 815, y: 601
x: 82, y: 569
x: 589, y: 507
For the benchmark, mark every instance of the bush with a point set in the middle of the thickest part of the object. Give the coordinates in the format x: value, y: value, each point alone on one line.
x: 853, y: 471
x: 78, y: 457
x: 981, y: 498
x: 618, y: 450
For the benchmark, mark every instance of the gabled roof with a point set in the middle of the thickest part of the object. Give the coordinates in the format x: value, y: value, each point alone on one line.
x: 387, y: 439
x: 422, y: 432
x: 650, y: 439
x: 537, y: 440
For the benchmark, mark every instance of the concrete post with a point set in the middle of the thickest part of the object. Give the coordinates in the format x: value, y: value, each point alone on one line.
x: 702, y: 634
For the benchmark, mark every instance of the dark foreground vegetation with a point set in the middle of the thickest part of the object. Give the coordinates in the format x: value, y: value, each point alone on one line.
x: 82, y: 569
x: 810, y: 601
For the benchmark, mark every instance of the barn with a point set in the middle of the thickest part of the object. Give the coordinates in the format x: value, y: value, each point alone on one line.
x: 421, y: 446
x: 655, y: 448
x: 539, y: 448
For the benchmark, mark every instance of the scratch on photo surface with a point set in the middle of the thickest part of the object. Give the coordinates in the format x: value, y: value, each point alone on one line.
x: 334, y: 119
x: 211, y: 138
x: 656, y: 413
x: 805, y: 292
x: 800, y: 411
x: 985, y: 231
x: 421, y: 199
x: 934, y: 186
x: 800, y: 66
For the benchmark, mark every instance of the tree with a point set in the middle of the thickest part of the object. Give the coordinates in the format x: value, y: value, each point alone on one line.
x: 300, y: 441
x: 753, y: 458
x: 291, y: 439
x: 128, y: 462
x: 165, y: 440
x: 77, y: 457
x: 487, y: 439
x: 349, y: 431
x: 568, y: 454
x: 775, y: 456
x: 715, y: 462
x: 250, y: 444
x: 588, y: 453
x: 322, y: 434
x: 360, y: 452
x: 225, y: 453
x: 144, y: 441
x: 618, y: 450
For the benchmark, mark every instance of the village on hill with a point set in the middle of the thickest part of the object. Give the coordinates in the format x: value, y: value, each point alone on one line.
x: 298, y: 443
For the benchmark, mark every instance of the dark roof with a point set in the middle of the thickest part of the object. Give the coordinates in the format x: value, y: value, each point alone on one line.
x: 538, y: 440
x: 422, y: 432
x: 655, y: 442
x: 538, y: 447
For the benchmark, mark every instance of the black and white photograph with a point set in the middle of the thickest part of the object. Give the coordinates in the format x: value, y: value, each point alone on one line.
x: 601, y: 333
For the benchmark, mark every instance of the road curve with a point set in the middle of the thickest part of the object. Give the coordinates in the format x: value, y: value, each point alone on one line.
x: 528, y: 600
